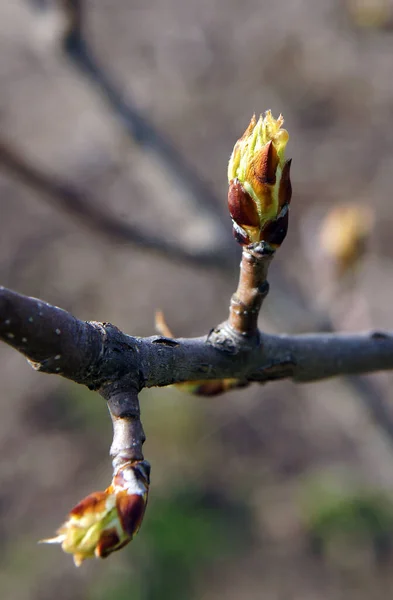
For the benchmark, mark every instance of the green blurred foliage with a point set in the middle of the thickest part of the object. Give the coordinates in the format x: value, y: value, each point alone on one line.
x: 336, y: 514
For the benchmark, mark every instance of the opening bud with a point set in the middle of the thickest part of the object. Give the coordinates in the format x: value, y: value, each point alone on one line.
x: 104, y: 522
x: 259, y: 181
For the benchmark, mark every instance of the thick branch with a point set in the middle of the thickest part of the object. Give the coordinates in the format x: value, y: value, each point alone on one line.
x: 99, y: 354
x: 52, y: 339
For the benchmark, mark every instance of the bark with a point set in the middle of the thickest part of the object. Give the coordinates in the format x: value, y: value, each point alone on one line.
x: 97, y: 354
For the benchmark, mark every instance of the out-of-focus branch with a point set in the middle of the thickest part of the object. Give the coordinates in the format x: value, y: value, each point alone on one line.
x: 75, y: 11
x: 135, y: 124
x: 77, y: 203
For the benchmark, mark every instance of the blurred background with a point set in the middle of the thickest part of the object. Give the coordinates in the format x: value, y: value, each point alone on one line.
x: 279, y: 492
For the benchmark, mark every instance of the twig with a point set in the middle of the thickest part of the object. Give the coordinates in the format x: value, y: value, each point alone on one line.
x: 128, y: 434
x: 252, y: 289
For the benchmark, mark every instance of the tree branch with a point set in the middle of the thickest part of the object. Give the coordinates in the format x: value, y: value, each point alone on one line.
x: 51, y: 339
x: 97, y: 355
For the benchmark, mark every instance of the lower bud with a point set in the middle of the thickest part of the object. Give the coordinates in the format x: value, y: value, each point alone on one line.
x: 104, y: 522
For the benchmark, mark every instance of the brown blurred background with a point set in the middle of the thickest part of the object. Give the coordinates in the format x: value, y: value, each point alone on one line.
x: 278, y: 492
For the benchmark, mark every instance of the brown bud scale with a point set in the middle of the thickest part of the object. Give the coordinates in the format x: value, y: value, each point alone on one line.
x: 275, y: 231
x: 92, y: 503
x: 131, y: 509
x: 285, y: 189
x: 108, y: 542
x: 265, y: 164
x: 241, y: 206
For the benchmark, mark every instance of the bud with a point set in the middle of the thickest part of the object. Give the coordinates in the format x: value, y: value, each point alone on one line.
x: 104, y: 522
x: 375, y: 14
x: 344, y: 234
x: 259, y: 183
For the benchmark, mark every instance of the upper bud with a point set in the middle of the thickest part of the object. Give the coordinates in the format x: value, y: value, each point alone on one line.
x: 259, y: 183
x: 104, y: 522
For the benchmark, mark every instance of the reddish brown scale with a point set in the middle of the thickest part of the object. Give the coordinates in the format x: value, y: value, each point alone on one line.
x: 256, y: 178
x: 241, y: 206
x: 92, y: 503
x: 265, y: 164
x: 275, y: 231
x: 131, y: 509
x: 261, y: 170
x: 109, y: 541
x: 240, y: 235
x: 285, y: 189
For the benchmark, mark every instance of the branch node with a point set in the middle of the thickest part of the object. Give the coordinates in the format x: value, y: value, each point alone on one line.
x: 227, y: 339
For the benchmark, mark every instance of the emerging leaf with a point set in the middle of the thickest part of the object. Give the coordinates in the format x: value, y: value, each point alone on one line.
x: 259, y: 182
x: 104, y: 522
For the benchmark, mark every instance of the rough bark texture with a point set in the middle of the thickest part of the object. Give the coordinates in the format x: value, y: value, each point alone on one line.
x: 99, y: 354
